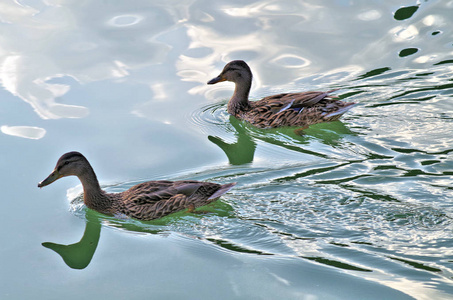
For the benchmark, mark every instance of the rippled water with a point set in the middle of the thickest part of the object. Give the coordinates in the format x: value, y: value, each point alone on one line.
x: 354, y: 209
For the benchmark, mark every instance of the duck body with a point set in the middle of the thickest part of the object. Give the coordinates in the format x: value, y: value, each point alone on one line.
x: 155, y: 199
x: 294, y: 109
x: 283, y: 110
x: 144, y: 201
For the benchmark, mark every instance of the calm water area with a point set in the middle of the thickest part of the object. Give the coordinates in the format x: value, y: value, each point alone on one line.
x: 360, y: 208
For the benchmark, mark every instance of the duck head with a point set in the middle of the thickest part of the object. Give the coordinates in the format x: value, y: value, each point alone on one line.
x: 69, y: 164
x: 236, y: 71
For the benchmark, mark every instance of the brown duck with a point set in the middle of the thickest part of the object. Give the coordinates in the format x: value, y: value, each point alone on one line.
x: 144, y: 201
x: 289, y: 109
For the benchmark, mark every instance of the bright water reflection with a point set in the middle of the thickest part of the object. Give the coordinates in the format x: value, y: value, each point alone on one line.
x: 351, y: 209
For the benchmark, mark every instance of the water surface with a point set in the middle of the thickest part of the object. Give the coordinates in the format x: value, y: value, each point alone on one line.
x: 355, y: 209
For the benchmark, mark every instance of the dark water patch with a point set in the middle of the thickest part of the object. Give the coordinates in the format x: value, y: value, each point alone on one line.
x: 371, y: 194
x: 407, y: 52
x: 236, y: 248
x: 432, y: 88
x: 436, y: 32
x: 342, y: 180
x: 337, y: 264
x: 384, y: 82
x: 375, y: 156
x: 362, y: 243
x: 421, y: 97
x: 373, y: 73
x: 418, y: 172
x: 402, y: 102
x: 425, y: 74
x: 386, y: 167
x: 416, y: 265
x: 350, y: 94
x: 448, y: 61
x: 339, y: 244
x: 409, y: 151
x: 404, y: 13
x: 310, y: 172
x: 290, y: 232
x: 442, y: 186
x: 373, y: 150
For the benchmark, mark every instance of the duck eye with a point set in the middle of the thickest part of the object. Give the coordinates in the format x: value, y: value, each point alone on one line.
x: 66, y: 163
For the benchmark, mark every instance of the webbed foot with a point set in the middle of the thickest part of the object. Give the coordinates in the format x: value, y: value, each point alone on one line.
x: 191, y: 210
x: 300, y: 131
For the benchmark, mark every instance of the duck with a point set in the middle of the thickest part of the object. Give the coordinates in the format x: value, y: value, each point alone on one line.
x: 145, y: 201
x: 300, y: 109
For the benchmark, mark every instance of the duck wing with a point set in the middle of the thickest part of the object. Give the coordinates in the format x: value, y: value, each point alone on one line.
x: 154, y: 191
x: 155, y: 199
x: 162, y: 208
x: 295, y: 109
x: 294, y: 101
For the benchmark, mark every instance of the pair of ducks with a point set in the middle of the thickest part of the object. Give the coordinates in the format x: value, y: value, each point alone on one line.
x: 155, y: 199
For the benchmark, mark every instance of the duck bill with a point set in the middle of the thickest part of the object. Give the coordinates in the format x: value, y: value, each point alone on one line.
x: 217, y: 79
x: 51, y: 178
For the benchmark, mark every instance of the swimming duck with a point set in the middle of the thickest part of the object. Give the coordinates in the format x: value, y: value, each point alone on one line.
x: 289, y: 109
x: 144, y: 201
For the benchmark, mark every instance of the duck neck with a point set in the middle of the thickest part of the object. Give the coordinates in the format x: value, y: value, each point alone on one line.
x: 93, y: 196
x: 240, y: 99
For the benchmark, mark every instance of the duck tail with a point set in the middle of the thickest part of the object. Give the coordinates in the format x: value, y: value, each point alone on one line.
x: 341, y: 111
x: 223, y: 189
x: 331, y: 91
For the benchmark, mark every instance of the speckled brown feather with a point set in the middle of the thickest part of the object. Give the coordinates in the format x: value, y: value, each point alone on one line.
x: 305, y: 109
x: 155, y: 199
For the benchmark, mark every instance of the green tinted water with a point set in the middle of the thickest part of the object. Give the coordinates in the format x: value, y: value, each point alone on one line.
x: 357, y: 209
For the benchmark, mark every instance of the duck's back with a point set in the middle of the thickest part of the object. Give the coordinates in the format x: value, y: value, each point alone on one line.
x: 155, y: 199
x: 294, y: 109
x: 153, y: 191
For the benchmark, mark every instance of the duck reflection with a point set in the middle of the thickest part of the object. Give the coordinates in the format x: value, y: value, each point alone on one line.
x: 243, y: 150
x: 79, y: 255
